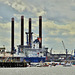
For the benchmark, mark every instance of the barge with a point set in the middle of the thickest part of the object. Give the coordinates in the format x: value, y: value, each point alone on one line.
x: 24, y: 54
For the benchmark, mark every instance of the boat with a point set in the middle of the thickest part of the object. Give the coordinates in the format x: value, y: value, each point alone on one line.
x: 42, y: 65
x: 24, y: 53
x: 67, y: 64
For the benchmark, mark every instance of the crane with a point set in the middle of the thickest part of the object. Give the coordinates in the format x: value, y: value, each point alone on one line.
x: 65, y: 49
x: 71, y: 54
x: 63, y: 45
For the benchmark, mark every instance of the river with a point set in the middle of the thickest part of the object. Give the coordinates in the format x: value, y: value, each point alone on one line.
x: 57, y: 70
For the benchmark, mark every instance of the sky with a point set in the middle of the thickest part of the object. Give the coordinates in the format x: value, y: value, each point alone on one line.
x: 58, y: 22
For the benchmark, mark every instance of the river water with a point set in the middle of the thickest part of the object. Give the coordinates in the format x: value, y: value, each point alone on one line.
x: 57, y: 70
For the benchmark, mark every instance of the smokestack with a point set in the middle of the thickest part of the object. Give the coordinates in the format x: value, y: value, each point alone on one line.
x: 29, y: 31
x: 66, y: 54
x: 40, y: 31
x: 27, y: 37
x: 74, y: 52
x: 22, y: 30
x: 12, y: 35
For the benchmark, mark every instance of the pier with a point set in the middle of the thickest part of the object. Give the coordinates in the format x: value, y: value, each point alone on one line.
x: 13, y: 64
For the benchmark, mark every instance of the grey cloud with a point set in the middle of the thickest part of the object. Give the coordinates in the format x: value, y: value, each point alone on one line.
x: 73, y: 8
x: 59, y: 11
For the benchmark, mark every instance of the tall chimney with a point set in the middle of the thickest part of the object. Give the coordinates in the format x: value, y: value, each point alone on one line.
x: 74, y: 52
x: 22, y: 30
x: 29, y: 31
x: 66, y: 54
x: 40, y: 31
x: 12, y: 35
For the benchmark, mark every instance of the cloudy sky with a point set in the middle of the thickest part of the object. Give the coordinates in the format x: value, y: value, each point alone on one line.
x: 58, y: 22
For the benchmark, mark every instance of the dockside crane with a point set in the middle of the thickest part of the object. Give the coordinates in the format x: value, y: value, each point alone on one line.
x: 63, y: 45
x: 65, y: 49
x: 71, y: 54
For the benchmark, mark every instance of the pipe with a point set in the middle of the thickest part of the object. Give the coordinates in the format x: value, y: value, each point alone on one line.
x: 74, y: 52
x: 22, y: 30
x: 40, y: 31
x: 27, y: 38
x: 66, y: 54
x: 29, y: 31
x: 12, y: 35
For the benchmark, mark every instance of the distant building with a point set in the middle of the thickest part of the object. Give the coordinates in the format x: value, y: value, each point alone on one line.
x: 59, y: 56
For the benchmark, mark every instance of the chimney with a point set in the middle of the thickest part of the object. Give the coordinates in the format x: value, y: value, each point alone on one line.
x: 66, y: 54
x: 74, y: 52
x: 40, y: 31
x: 22, y: 30
x: 12, y: 35
x: 29, y: 31
x: 27, y: 38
